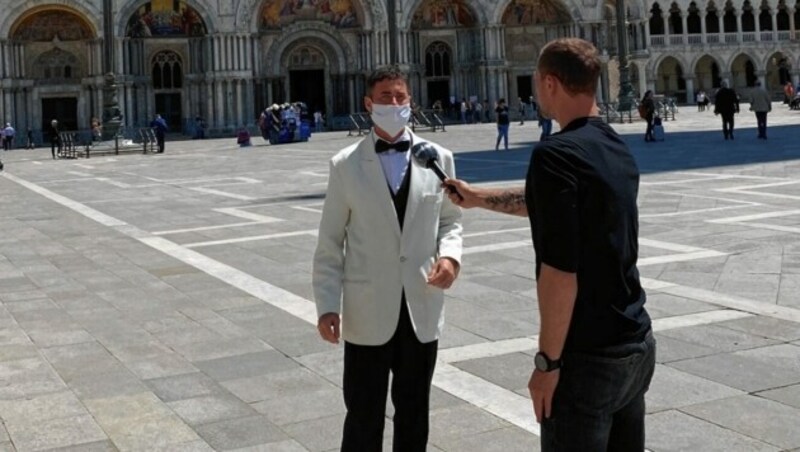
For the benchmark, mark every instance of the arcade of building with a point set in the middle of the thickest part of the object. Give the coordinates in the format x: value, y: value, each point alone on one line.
x: 226, y: 61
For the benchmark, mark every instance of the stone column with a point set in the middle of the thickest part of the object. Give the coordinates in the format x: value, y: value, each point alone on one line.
x: 209, y: 103
x: 792, y: 25
x: 684, y: 26
x: 758, y: 25
x: 775, y: 25
x: 721, y: 22
x: 762, y: 77
x: 665, y: 18
x: 689, y: 89
x: 739, y: 26
x: 239, y: 102
x: 646, y: 34
x: 219, y: 106
x: 703, y: 30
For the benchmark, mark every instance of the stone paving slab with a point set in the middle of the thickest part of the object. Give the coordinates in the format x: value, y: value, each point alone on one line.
x: 111, y: 338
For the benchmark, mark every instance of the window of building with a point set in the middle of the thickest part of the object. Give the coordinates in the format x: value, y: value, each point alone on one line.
x: 693, y: 21
x: 57, y: 65
x: 748, y: 19
x: 167, y: 71
x: 675, y: 20
x: 765, y: 18
x: 656, y: 20
x: 712, y: 21
x: 783, y: 16
x: 437, y: 60
x: 729, y: 19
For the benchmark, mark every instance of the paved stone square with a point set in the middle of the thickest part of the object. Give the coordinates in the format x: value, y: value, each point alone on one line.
x: 162, y: 302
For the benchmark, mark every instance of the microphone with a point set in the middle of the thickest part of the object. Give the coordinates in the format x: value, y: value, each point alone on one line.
x: 427, y: 155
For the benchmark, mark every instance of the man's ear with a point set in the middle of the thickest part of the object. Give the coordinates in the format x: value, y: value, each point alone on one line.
x: 368, y: 104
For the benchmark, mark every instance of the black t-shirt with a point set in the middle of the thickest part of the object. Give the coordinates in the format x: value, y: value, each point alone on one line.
x: 581, y: 195
x: 502, y: 115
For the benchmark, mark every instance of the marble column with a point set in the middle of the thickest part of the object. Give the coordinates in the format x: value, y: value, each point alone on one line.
x: 739, y: 26
x: 703, y: 30
x: 219, y: 107
x: 758, y: 25
x: 209, y: 102
x: 239, y: 102
x: 689, y: 89
x: 762, y: 77
x: 684, y: 26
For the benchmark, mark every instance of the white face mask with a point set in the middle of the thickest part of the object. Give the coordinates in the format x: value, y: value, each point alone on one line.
x: 391, y: 118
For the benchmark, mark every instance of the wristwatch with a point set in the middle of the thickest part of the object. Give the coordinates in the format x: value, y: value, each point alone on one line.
x: 545, y: 364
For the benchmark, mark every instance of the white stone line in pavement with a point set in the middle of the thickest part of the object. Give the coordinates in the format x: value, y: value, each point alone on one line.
x: 86, y: 211
x: 757, y: 186
x: 37, y: 163
x: 669, y: 246
x: 253, y: 238
x: 684, y: 181
x: 689, y: 212
x: 488, y: 349
x: 314, y: 173
x: 307, y: 209
x: 84, y: 166
x: 225, y: 194
x: 495, y: 232
x: 714, y: 198
x: 501, y: 402
x: 79, y: 174
x: 774, y: 227
x: 737, y: 176
x: 724, y: 300
x: 245, y: 215
x: 207, y: 228
x: 697, y: 319
x: 496, y: 247
x: 669, y: 258
x: 757, y: 216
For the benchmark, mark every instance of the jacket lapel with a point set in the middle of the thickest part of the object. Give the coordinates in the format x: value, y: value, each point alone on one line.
x: 418, y: 180
x: 372, y: 170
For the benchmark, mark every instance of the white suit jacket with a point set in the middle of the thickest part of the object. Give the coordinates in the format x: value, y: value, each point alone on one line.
x: 363, y: 261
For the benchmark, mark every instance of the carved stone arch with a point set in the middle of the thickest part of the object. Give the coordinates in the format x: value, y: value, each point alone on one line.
x: 693, y: 64
x: 758, y: 61
x: 408, y: 15
x: 85, y: 10
x: 374, y: 14
x: 201, y: 6
x: 788, y: 53
x: 326, y: 37
x: 655, y: 64
x: 568, y: 6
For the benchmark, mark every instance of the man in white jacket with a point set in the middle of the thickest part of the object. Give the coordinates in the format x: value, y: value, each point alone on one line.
x: 389, y: 245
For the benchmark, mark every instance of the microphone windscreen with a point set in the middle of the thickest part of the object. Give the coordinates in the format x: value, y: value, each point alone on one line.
x: 424, y: 154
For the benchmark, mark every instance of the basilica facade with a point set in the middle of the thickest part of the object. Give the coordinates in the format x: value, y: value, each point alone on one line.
x: 226, y: 60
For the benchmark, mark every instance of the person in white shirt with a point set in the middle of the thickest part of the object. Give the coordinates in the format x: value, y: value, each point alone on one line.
x: 8, y: 137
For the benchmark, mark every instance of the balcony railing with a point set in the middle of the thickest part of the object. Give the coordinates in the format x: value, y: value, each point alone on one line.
x: 727, y: 38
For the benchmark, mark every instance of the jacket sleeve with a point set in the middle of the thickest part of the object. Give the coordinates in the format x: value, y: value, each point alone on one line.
x: 450, y: 240
x: 328, y: 266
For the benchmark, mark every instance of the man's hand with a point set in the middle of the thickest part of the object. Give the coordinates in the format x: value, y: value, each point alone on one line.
x: 469, y: 195
x: 542, y: 386
x: 328, y: 327
x: 443, y: 273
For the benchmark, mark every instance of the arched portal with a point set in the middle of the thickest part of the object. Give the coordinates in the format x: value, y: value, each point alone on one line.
x: 529, y: 24
x: 167, y: 80
x: 438, y: 70
x: 307, y: 64
x: 53, y: 50
x: 707, y: 74
x: 670, y: 80
x: 778, y: 66
x: 743, y: 72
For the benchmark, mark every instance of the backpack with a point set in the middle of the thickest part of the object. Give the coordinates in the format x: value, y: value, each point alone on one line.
x: 642, y: 111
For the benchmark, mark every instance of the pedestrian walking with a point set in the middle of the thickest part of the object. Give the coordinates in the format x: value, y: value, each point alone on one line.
x: 159, y: 126
x: 29, y: 135
x: 380, y: 270
x: 318, y: 119
x: 55, y: 138
x: 521, y: 111
x: 463, y: 110
x: 647, y: 110
x: 726, y: 104
x: 8, y: 137
x: 478, y: 112
x: 503, y: 124
x: 596, y: 354
x: 761, y: 105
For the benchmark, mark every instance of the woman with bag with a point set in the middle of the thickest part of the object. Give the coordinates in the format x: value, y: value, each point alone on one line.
x: 647, y: 109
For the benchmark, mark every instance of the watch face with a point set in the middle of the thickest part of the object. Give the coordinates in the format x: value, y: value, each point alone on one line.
x: 540, y: 362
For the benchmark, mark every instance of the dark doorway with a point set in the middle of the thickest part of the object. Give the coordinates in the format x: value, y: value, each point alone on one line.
x: 63, y: 109
x: 168, y: 105
x: 308, y: 86
x: 438, y: 90
x: 524, y: 87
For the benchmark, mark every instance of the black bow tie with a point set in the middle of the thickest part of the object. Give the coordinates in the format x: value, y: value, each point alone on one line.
x: 400, y: 146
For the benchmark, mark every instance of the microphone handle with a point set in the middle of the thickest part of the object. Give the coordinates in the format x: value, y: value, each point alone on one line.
x: 442, y: 176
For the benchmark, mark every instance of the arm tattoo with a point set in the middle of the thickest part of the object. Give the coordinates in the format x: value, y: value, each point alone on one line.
x: 508, y: 201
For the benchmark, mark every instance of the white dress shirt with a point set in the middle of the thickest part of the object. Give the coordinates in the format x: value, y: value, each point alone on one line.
x: 395, y: 164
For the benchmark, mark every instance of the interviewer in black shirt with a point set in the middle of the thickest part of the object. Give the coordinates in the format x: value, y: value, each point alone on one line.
x: 596, y: 350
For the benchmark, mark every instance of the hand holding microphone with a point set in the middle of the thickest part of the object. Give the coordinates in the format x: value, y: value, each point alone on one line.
x: 427, y: 156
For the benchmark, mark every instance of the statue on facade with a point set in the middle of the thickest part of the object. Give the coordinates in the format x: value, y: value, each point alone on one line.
x: 112, y: 115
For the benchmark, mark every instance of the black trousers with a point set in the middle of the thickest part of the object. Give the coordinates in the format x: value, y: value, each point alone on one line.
x: 160, y: 140
x: 727, y: 125
x: 366, y: 382
x: 761, y: 120
x: 648, y: 134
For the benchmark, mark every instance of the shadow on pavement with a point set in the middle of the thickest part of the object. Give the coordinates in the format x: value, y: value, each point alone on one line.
x: 680, y: 151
